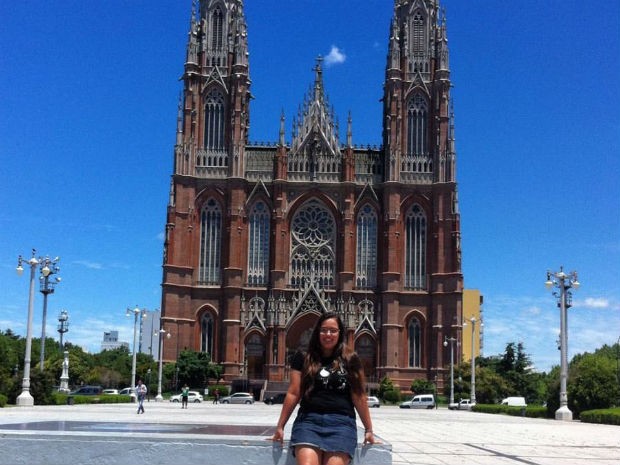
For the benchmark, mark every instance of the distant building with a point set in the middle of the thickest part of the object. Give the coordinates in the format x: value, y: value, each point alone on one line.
x: 472, y: 307
x: 149, y: 340
x: 110, y: 341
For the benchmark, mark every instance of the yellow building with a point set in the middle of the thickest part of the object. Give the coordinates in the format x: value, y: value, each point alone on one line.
x: 472, y: 308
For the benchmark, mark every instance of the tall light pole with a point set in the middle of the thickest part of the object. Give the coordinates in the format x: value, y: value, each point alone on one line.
x: 563, y: 282
x: 63, y: 325
x: 162, y: 334
x: 137, y: 313
x: 450, y: 340
x: 48, y: 268
x: 472, y: 395
x: 25, y: 399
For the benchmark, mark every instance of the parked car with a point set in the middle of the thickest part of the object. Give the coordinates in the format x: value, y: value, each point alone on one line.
x: 238, y: 398
x: 514, y: 402
x: 194, y: 396
x: 110, y: 391
x: 463, y: 404
x: 87, y: 391
x: 419, y: 401
x: 276, y: 399
x: 125, y: 391
x: 373, y: 401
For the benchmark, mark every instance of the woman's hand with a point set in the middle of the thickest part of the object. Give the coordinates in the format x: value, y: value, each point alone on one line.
x: 278, y: 436
x: 369, y: 438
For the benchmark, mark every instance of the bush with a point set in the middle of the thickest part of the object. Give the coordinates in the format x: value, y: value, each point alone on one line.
x: 609, y: 416
x: 391, y: 396
x: 422, y: 386
x: 3, y: 400
x: 224, y: 390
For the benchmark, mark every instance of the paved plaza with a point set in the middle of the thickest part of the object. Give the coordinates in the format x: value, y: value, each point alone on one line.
x: 416, y: 436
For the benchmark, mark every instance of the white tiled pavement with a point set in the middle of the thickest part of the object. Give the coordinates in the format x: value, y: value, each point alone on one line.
x: 421, y: 437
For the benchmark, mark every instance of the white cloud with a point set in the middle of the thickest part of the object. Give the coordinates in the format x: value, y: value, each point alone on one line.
x: 335, y: 56
x: 532, y: 311
x: 591, y: 302
x: 89, y: 265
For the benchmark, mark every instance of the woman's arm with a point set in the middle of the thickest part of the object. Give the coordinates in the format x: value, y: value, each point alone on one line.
x: 361, y: 405
x: 290, y: 401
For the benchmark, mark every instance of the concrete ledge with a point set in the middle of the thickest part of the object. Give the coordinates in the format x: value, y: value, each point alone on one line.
x: 33, y: 447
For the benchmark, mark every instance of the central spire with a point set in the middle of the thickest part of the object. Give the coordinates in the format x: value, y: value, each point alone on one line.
x: 315, y: 121
x: 318, y: 80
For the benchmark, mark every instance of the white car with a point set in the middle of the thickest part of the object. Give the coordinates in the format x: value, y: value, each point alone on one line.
x: 463, y: 404
x: 373, y: 401
x: 110, y: 391
x: 238, y: 398
x: 194, y: 396
x: 420, y: 401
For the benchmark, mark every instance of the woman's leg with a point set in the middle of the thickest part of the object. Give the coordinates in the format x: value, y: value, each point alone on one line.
x: 307, y: 455
x: 335, y: 458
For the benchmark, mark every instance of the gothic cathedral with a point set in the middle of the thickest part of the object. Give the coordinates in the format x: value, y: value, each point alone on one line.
x: 261, y: 239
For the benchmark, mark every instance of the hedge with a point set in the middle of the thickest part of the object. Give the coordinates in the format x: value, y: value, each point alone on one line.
x: 63, y: 399
x: 530, y: 412
x: 610, y: 416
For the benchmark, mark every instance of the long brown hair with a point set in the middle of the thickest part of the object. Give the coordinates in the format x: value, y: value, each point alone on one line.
x: 343, y: 356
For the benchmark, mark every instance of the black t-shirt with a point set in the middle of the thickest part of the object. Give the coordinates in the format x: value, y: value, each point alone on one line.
x: 331, y: 391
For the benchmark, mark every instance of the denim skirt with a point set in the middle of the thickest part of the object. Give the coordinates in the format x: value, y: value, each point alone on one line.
x: 328, y: 432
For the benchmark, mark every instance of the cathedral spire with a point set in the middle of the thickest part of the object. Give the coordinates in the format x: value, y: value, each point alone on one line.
x: 318, y: 80
x: 316, y: 118
x: 349, y: 131
x: 282, y: 142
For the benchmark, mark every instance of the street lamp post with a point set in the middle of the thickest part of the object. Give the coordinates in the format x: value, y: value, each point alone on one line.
x: 63, y: 325
x: 472, y: 396
x: 161, y: 336
x: 47, y: 287
x: 563, y: 282
x: 25, y: 399
x: 137, y: 313
x: 450, y: 340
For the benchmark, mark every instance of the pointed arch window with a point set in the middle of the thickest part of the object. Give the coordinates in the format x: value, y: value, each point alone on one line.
x: 210, y: 243
x: 414, y: 341
x: 415, y: 248
x: 207, y: 331
x: 217, y: 28
x: 366, y: 252
x: 418, y: 33
x: 258, y: 247
x: 214, y: 121
x: 417, y: 127
x: 313, y: 246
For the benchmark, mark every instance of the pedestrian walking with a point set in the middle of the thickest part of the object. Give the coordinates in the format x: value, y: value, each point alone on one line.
x: 184, y: 396
x: 141, y: 391
x: 216, y: 396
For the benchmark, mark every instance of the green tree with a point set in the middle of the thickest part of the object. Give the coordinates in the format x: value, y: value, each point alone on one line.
x: 196, y: 368
x: 592, y: 384
x: 388, y: 391
x: 422, y: 386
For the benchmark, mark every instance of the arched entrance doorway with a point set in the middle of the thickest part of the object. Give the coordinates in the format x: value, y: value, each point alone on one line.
x: 367, y: 351
x: 298, y: 334
x: 255, y: 356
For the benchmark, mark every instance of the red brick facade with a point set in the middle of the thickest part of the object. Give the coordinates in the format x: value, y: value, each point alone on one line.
x: 260, y: 239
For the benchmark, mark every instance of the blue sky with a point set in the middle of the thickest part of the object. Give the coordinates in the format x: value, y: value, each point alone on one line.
x: 88, y: 99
